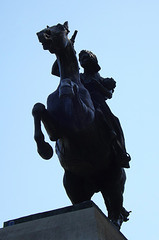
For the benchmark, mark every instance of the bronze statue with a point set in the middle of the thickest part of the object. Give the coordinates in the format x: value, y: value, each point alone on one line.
x: 100, y: 90
x: 79, y: 126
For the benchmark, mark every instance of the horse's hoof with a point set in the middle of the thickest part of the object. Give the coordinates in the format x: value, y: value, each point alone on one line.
x: 117, y: 223
x: 38, y: 108
x: 45, y: 150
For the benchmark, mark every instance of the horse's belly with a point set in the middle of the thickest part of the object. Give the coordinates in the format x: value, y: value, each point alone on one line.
x: 80, y: 161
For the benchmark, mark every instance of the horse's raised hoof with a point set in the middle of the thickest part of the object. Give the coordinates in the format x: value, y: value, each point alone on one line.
x: 38, y: 108
x: 45, y: 150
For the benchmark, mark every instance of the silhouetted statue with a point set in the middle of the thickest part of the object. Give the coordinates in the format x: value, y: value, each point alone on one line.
x: 79, y: 127
x: 100, y: 90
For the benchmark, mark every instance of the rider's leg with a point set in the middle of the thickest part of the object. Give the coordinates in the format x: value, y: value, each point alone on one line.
x: 122, y: 156
x: 112, y: 125
x: 119, y: 144
x: 117, y: 136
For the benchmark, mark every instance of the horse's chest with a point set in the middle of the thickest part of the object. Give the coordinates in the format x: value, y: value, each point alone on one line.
x: 55, y: 107
x: 63, y: 111
x: 52, y: 102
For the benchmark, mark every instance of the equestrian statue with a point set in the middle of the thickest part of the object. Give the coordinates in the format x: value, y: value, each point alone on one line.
x: 89, y: 140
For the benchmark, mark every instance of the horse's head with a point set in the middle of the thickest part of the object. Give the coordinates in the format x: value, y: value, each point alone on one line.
x: 54, y: 38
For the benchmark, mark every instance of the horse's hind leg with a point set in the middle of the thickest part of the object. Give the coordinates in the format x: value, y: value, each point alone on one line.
x: 113, y: 202
x: 113, y: 196
x: 76, y: 188
x: 43, y: 148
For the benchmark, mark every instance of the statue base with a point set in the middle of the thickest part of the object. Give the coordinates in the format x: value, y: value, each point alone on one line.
x: 83, y: 221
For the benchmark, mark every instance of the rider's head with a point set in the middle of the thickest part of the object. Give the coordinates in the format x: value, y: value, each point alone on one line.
x: 88, y: 61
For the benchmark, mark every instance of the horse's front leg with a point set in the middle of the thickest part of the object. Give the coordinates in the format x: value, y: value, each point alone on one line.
x: 77, y: 104
x: 40, y: 115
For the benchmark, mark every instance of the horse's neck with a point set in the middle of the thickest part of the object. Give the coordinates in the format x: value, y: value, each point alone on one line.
x: 68, y: 64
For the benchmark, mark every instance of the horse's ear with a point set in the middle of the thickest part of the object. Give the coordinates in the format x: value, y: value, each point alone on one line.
x: 66, y: 26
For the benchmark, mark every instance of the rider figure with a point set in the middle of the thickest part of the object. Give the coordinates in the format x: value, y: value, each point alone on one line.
x: 100, y: 90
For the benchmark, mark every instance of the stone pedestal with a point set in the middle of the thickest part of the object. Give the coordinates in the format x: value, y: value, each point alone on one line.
x: 84, y: 221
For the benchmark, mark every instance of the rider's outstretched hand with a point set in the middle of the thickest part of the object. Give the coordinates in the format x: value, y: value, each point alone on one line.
x: 109, y: 83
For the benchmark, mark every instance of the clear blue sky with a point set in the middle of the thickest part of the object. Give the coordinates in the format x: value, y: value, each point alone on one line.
x: 124, y: 35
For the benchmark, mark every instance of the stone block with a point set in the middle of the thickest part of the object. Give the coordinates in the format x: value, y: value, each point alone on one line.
x: 83, y: 221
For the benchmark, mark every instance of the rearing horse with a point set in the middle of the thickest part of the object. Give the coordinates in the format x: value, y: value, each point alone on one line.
x: 82, y: 144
